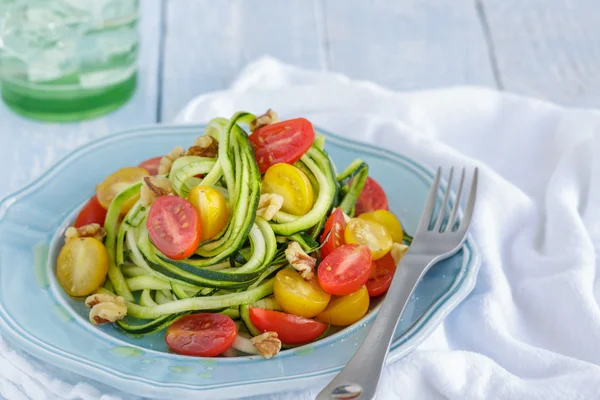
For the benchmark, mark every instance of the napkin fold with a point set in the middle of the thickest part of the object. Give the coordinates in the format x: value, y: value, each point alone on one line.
x: 531, y: 327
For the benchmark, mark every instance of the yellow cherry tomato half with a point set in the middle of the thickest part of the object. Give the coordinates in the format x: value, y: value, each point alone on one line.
x: 297, y: 296
x: 116, y: 182
x: 82, y: 266
x: 346, y: 310
x: 369, y: 233
x: 212, y: 208
x: 292, y: 184
x: 389, y: 222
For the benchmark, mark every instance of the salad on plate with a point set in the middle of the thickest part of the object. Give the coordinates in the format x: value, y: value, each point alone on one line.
x: 246, y: 242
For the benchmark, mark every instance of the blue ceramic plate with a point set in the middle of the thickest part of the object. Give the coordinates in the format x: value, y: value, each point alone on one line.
x: 38, y: 317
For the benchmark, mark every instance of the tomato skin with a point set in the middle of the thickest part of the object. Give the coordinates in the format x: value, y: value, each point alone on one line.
x: 382, y: 273
x: 346, y: 310
x: 369, y: 233
x: 297, y: 296
x: 371, y: 198
x: 292, y: 184
x: 116, y: 182
x: 91, y: 213
x: 336, y: 224
x: 388, y: 220
x: 151, y: 165
x: 282, y: 142
x: 345, y: 270
x: 81, y: 266
x: 291, y: 329
x: 174, y: 227
x: 201, y: 335
x: 212, y: 208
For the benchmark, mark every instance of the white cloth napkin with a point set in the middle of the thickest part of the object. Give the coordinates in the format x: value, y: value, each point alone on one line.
x: 531, y: 327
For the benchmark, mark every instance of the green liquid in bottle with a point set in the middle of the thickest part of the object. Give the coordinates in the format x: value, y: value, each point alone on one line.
x: 70, y: 60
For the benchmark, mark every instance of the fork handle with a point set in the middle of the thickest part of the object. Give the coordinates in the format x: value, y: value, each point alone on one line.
x: 360, y: 377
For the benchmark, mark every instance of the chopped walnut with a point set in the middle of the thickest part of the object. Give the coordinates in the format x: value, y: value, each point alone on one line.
x: 98, y: 298
x: 167, y: 161
x: 397, y: 251
x: 267, y: 344
x: 268, y: 118
x: 301, y: 261
x: 90, y: 230
x: 106, y: 308
x: 153, y: 187
x: 204, y: 146
x: 268, y: 205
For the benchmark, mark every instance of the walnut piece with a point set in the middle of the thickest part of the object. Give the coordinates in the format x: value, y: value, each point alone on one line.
x: 90, y: 230
x: 397, y: 251
x: 167, y: 161
x: 267, y: 344
x: 153, y: 187
x: 98, y: 298
x: 268, y: 118
x: 106, y: 308
x: 301, y: 261
x: 204, y: 146
x: 268, y: 205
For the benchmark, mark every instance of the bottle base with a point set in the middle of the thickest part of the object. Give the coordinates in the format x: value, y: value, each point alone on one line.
x: 68, y: 106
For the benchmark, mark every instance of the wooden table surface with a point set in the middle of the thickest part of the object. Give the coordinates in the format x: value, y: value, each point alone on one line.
x: 544, y: 48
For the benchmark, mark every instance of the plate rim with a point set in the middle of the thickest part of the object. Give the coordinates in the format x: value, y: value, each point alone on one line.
x: 415, y: 335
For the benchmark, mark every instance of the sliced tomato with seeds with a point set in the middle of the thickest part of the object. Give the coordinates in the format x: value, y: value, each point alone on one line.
x: 91, y: 213
x: 282, y: 142
x: 371, y: 198
x: 201, y: 335
x: 345, y: 270
x: 382, y: 273
x: 333, y: 232
x: 174, y: 227
x: 151, y: 165
x: 290, y: 328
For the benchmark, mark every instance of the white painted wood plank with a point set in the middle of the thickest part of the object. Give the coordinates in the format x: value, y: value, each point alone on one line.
x: 548, y: 48
x: 208, y: 42
x: 28, y: 147
x: 409, y: 44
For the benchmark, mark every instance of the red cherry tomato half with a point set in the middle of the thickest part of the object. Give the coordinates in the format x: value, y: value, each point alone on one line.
x: 336, y: 224
x: 290, y: 328
x: 282, y: 142
x: 371, y: 198
x: 174, y: 226
x: 92, y: 212
x: 382, y: 272
x: 202, y: 335
x: 345, y: 270
x: 151, y: 165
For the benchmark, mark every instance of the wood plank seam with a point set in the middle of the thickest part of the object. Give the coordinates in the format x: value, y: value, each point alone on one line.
x: 485, y: 26
x: 161, y: 58
x: 321, y: 18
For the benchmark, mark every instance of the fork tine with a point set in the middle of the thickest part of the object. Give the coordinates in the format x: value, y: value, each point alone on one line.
x: 466, y: 219
x: 440, y: 217
x: 430, y: 204
x: 453, y: 214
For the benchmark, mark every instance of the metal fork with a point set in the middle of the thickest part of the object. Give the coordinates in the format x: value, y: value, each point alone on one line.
x: 434, y: 240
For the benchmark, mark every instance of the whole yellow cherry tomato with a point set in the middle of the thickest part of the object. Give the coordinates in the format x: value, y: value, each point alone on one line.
x: 116, y: 182
x: 212, y: 207
x: 389, y: 222
x: 82, y: 266
x: 297, y: 296
x: 292, y: 184
x: 370, y: 233
x: 346, y: 310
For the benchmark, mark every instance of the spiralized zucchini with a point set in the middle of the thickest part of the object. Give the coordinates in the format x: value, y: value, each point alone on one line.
x: 236, y: 267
